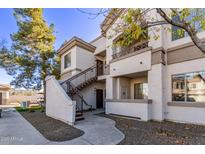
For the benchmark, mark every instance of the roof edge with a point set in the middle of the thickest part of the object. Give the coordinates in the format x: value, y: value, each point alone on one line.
x: 97, y: 38
x: 110, y: 19
x: 75, y: 41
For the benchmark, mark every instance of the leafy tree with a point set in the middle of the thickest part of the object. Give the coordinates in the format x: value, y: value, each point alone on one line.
x: 32, y: 56
x: 137, y: 21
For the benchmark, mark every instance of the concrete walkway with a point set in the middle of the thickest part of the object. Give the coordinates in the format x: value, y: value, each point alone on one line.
x: 14, y: 129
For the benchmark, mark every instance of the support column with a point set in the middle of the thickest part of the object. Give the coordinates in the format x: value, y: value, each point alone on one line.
x: 110, y: 90
x: 156, y: 91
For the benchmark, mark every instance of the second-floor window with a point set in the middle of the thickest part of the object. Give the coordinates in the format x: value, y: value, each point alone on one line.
x: 178, y: 33
x: 67, y: 60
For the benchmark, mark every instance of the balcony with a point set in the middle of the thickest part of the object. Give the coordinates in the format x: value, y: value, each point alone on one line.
x: 131, y: 49
x: 133, y: 59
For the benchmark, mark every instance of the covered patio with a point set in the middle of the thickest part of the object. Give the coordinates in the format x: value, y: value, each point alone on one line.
x: 130, y: 96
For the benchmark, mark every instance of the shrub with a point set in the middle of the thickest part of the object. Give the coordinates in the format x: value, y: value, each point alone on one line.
x: 21, y: 109
x: 31, y: 109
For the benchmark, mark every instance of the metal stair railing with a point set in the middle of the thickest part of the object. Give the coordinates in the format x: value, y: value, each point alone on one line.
x: 71, y: 88
x: 72, y: 83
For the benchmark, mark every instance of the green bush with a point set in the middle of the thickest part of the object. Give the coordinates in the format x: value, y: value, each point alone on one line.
x: 21, y: 109
x: 31, y: 109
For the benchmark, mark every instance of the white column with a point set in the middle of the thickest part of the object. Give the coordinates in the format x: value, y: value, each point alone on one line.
x: 156, y: 91
x: 111, y: 88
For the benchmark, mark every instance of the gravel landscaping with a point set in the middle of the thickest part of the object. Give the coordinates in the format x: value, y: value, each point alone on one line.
x: 51, y: 129
x: 157, y: 133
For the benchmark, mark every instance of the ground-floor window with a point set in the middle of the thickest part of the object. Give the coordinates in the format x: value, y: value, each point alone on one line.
x: 189, y: 87
x: 140, y: 90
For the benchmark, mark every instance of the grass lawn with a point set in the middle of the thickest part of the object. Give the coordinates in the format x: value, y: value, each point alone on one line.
x: 51, y: 129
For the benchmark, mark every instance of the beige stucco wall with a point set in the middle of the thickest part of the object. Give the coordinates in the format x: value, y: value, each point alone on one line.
x: 84, y: 58
x: 111, y: 83
x: 100, y: 45
x: 183, y: 113
x: 58, y: 104
x: 73, y: 60
x: 155, y: 91
x: 124, y: 86
x: 89, y: 93
x: 138, y: 63
x: 184, y: 67
x: 158, y: 78
x: 81, y: 59
x: 137, y: 110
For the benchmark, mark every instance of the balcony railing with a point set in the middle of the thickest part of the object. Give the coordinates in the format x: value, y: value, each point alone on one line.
x: 133, y: 48
x: 103, y: 69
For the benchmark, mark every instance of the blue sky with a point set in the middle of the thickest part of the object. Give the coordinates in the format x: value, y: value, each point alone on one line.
x: 68, y: 22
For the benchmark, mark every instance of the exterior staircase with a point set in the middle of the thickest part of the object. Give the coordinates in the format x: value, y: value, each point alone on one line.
x: 75, y: 84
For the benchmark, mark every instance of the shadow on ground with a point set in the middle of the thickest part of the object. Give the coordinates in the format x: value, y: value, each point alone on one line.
x: 51, y: 129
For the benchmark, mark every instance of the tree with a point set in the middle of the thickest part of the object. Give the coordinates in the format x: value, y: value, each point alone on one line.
x: 32, y: 56
x: 137, y: 21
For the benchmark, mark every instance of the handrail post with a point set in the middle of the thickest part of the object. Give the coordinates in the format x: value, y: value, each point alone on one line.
x: 67, y: 88
x: 96, y: 70
x: 81, y: 105
x: 85, y: 76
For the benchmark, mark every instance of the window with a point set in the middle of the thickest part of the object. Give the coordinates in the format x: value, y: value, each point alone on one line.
x: 67, y: 60
x: 178, y: 33
x: 195, y: 87
x: 192, y: 87
x: 140, y: 91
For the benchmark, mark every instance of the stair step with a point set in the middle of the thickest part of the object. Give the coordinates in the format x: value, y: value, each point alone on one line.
x: 78, y: 114
x: 79, y: 118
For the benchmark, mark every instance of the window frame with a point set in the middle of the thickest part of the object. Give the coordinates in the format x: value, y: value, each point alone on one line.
x: 66, y: 65
x: 185, y: 84
x: 143, y: 94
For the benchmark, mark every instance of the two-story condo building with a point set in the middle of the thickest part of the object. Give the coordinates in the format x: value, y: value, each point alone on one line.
x: 156, y: 79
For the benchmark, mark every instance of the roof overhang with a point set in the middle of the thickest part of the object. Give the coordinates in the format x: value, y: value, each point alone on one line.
x: 75, y: 41
x: 110, y: 19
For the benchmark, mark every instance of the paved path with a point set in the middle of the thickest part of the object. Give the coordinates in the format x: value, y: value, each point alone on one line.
x: 14, y: 129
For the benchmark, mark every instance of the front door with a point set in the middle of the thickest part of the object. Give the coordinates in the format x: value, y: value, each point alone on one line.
x: 1, y: 99
x: 99, y: 98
